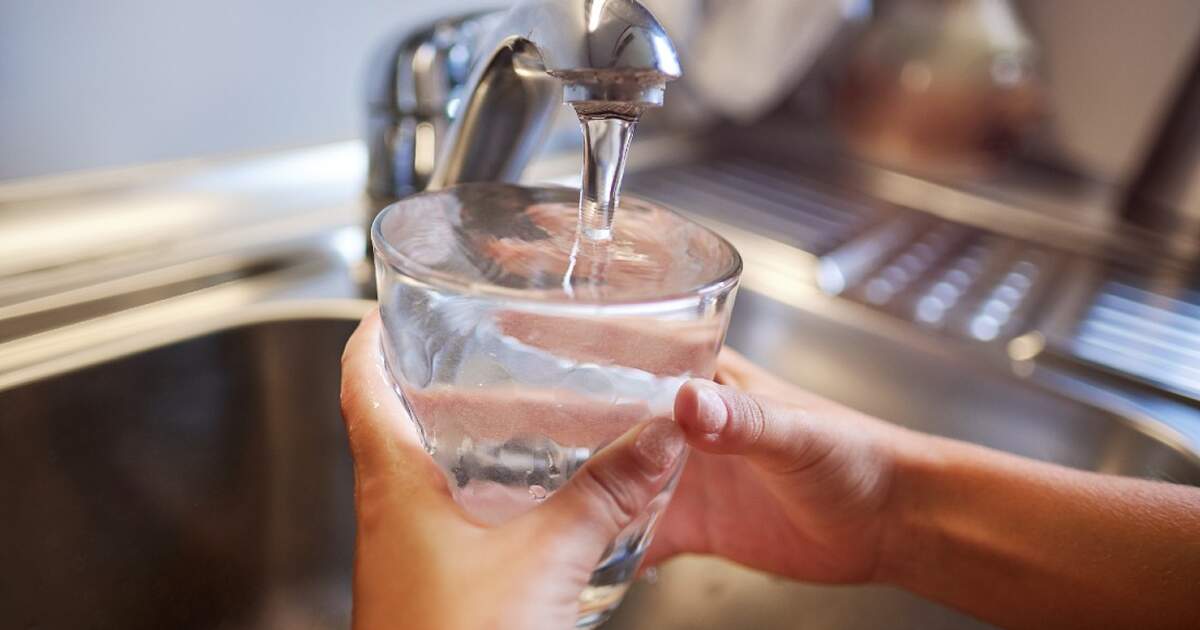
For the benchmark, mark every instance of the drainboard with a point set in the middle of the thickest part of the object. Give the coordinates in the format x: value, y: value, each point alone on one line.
x: 951, y: 279
x: 1145, y: 326
x: 942, y: 276
x: 760, y: 197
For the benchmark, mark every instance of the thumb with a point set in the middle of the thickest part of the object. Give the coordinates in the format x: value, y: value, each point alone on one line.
x: 727, y: 421
x: 611, y: 491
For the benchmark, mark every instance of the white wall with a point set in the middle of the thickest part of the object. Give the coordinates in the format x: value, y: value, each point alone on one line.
x: 96, y: 83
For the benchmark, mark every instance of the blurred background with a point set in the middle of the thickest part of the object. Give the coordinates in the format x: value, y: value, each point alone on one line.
x: 89, y: 85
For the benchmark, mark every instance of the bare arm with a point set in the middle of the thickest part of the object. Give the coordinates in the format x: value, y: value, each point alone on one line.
x: 796, y: 485
x: 1026, y: 544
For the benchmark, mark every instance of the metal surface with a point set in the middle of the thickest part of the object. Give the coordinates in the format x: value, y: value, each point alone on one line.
x: 201, y: 484
x: 761, y: 196
x: 414, y: 89
x: 472, y: 98
x: 1145, y: 334
x: 938, y: 274
x: 416, y: 84
x: 1003, y: 300
x: 181, y: 462
x: 73, y: 233
x: 605, y: 54
x: 168, y: 390
x: 1021, y: 202
x: 200, y: 478
x: 964, y: 282
x: 1143, y: 324
x: 935, y: 285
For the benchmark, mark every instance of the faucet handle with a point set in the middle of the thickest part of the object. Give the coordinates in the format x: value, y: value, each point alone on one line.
x: 414, y: 85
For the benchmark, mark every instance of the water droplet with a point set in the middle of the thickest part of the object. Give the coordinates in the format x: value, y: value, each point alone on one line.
x: 537, y: 492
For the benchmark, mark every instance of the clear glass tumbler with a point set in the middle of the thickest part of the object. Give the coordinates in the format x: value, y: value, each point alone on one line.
x: 521, y: 348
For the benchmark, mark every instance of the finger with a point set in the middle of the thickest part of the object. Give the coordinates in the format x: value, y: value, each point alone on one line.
x: 724, y: 420
x: 680, y: 528
x: 609, y: 492
x: 383, y: 439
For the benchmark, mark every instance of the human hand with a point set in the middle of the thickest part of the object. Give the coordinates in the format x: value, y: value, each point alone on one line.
x: 422, y: 562
x: 783, y: 481
x: 798, y: 486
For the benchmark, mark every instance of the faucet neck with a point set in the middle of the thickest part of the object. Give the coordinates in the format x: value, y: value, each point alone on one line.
x: 603, y: 55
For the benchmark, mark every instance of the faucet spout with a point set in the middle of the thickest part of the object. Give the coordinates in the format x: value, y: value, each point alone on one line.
x: 602, y: 56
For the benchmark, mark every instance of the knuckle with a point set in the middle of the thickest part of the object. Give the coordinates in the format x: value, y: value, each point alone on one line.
x: 754, y: 416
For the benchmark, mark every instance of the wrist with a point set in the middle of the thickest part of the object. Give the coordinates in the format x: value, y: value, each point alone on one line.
x: 907, y: 520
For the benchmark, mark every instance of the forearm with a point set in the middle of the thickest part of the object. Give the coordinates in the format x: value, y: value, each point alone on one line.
x: 1025, y: 544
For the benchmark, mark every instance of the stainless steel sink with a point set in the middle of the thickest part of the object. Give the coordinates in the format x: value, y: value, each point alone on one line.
x: 205, y: 482
x: 202, y: 484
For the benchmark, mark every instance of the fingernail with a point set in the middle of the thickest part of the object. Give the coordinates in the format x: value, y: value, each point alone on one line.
x: 711, y: 412
x: 660, y: 443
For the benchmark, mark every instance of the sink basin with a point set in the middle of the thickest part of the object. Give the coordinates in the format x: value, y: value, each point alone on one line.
x: 203, y: 484
x: 206, y: 483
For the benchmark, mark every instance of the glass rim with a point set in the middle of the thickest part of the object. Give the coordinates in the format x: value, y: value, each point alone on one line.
x: 422, y: 275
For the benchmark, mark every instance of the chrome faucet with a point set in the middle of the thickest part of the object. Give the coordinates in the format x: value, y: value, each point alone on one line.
x: 469, y: 99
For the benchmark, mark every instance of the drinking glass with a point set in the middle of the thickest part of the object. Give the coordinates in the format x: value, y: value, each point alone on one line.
x: 521, y: 348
